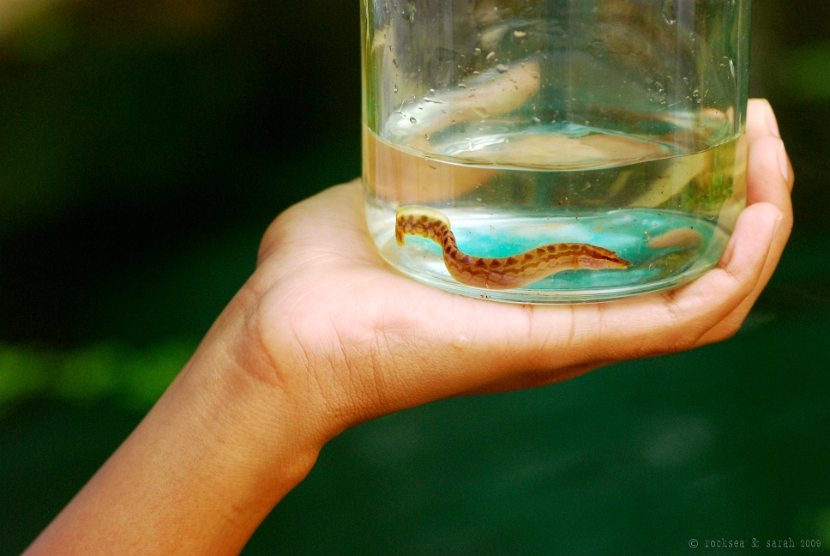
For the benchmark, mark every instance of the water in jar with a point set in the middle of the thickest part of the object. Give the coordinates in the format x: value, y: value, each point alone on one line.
x: 616, y: 124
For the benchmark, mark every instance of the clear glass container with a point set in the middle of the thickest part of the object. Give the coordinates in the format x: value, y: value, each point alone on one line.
x: 554, y: 151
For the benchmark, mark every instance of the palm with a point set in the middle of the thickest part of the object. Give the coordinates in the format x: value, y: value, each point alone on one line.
x: 382, y: 338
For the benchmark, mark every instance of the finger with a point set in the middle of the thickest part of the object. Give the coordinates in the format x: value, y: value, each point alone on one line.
x: 516, y: 347
x: 541, y: 345
x: 769, y: 183
x: 766, y: 184
x: 768, y: 174
x: 710, y: 309
x: 314, y: 220
x: 752, y: 225
x: 763, y: 125
x: 322, y: 232
x: 761, y: 120
x: 706, y: 303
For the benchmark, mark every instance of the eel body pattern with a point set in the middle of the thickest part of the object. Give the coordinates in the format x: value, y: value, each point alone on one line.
x: 505, y: 272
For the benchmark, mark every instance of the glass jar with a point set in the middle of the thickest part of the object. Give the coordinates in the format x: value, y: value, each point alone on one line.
x: 554, y: 151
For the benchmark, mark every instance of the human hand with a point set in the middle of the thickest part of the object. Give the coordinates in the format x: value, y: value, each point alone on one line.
x: 354, y: 339
x: 325, y: 335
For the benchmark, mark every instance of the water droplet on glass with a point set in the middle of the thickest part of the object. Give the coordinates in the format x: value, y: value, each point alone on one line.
x: 409, y: 12
x: 501, y: 68
x: 413, y: 120
x: 670, y: 11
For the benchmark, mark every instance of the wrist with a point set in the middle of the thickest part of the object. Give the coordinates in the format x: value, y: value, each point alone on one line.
x: 203, y: 469
x: 258, y: 437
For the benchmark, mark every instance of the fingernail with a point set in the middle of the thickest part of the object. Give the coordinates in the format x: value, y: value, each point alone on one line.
x: 772, y: 124
x: 783, y: 162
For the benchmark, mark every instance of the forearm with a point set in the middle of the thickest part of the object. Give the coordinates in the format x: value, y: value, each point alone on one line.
x: 198, y: 475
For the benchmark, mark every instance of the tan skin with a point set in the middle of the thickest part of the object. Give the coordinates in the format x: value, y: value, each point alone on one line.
x: 325, y: 335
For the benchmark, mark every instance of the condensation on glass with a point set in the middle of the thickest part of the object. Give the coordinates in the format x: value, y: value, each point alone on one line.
x: 529, y: 125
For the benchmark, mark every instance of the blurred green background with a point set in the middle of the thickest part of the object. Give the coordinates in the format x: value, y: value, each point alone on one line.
x: 146, y: 145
